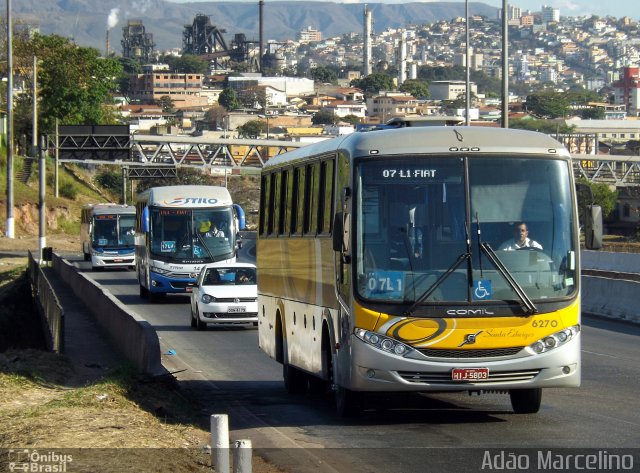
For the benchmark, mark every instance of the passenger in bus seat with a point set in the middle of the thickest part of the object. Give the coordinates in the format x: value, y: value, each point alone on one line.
x: 520, y: 239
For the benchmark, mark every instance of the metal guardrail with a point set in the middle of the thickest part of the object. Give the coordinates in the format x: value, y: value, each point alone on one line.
x: 48, y: 306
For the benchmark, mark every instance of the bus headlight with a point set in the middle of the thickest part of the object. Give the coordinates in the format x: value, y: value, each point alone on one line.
x: 554, y: 340
x: 155, y: 269
x: 382, y: 342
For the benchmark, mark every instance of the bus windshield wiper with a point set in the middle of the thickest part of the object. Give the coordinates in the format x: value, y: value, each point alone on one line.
x: 425, y: 295
x: 462, y: 258
x: 204, y: 245
x: 529, y: 306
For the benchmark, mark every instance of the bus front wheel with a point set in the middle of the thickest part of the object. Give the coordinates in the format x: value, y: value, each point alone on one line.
x: 526, y: 401
x: 348, y: 403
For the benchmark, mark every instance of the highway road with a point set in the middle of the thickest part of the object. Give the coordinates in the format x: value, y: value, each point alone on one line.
x: 401, y: 433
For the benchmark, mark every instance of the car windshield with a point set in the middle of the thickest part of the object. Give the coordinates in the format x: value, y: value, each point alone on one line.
x: 229, y: 276
x: 416, y: 233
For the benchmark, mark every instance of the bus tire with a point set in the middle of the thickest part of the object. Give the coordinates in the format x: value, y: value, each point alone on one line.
x: 295, y: 380
x: 348, y: 403
x: 526, y: 401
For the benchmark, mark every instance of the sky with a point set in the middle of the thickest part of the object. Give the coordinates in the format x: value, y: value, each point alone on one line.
x: 616, y: 8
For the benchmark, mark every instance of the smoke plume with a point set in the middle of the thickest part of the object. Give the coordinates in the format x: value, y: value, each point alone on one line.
x: 113, y: 18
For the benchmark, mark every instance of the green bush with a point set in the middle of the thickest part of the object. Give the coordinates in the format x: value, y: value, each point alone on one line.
x: 68, y: 190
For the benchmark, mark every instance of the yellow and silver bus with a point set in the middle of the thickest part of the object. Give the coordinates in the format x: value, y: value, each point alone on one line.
x: 106, y: 235
x: 387, y: 262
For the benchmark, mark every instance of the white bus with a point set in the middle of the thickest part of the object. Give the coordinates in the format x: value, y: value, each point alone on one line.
x: 107, y: 236
x: 178, y: 230
x: 385, y: 263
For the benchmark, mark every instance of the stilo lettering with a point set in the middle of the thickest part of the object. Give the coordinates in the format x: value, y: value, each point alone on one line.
x: 199, y: 200
x: 505, y: 461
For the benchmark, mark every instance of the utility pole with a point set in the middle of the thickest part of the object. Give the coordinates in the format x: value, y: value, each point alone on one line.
x: 505, y: 65
x: 10, y: 223
x: 34, y: 137
x: 42, y: 241
x: 467, y: 120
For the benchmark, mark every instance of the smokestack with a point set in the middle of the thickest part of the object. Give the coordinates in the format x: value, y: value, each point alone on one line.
x: 107, y: 47
x: 367, y: 42
x: 261, y: 13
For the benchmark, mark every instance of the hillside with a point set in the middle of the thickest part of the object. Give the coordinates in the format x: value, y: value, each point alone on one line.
x: 79, y: 185
x: 86, y: 21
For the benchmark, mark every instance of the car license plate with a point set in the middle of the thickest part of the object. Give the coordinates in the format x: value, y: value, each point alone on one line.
x: 469, y: 374
x: 118, y: 260
x: 236, y: 310
x: 188, y: 289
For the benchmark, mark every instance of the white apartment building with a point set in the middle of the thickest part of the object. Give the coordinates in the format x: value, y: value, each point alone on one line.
x: 450, y: 89
x: 550, y: 14
x: 291, y: 86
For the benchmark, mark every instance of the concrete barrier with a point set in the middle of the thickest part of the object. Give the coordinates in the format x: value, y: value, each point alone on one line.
x: 610, y: 261
x: 613, y: 298
x: 132, y: 336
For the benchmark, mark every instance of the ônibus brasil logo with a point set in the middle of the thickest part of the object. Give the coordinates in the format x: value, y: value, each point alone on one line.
x: 182, y: 201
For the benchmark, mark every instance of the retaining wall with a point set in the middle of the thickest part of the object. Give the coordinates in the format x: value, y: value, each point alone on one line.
x: 132, y: 336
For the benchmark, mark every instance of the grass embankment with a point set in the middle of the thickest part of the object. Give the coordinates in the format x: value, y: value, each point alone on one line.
x: 42, y: 406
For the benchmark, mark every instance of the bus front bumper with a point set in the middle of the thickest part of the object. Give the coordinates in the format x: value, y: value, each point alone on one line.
x: 163, y: 284
x: 375, y: 370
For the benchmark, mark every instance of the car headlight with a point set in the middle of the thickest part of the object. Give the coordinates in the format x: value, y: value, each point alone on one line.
x: 206, y: 298
x: 155, y: 269
x: 554, y: 340
x: 382, y: 342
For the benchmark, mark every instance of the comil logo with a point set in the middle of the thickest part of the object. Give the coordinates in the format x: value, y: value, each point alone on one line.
x: 184, y: 201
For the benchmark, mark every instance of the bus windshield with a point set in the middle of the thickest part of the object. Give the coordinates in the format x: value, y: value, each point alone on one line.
x: 113, y: 231
x: 190, y: 234
x: 433, y: 224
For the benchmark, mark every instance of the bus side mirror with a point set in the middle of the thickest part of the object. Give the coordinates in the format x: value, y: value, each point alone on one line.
x: 145, y: 219
x: 341, y: 235
x: 593, y: 228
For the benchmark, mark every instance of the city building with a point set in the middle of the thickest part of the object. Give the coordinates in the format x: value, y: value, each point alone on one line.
x: 309, y: 35
x: 158, y: 81
x: 627, y: 90
x: 389, y: 104
x: 450, y: 89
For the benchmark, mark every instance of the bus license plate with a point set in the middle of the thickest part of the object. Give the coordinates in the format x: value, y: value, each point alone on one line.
x: 469, y: 374
x: 236, y: 310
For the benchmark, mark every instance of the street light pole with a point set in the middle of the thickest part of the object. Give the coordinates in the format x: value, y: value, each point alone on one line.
x: 10, y: 223
x: 34, y: 138
x: 505, y: 65
x: 468, y: 92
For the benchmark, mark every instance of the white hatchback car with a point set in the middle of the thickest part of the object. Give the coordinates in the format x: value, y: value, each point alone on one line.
x: 225, y: 293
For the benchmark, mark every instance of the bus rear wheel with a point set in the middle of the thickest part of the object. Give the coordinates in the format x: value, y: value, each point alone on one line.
x: 526, y: 401
x: 295, y: 380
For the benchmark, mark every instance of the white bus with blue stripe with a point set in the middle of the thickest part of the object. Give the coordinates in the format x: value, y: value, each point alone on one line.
x: 178, y: 230
x: 106, y: 235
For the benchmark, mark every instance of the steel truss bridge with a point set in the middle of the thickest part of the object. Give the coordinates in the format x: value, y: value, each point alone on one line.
x: 159, y: 156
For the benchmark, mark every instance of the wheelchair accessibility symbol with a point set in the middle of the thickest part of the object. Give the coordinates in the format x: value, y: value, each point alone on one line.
x: 482, y: 290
